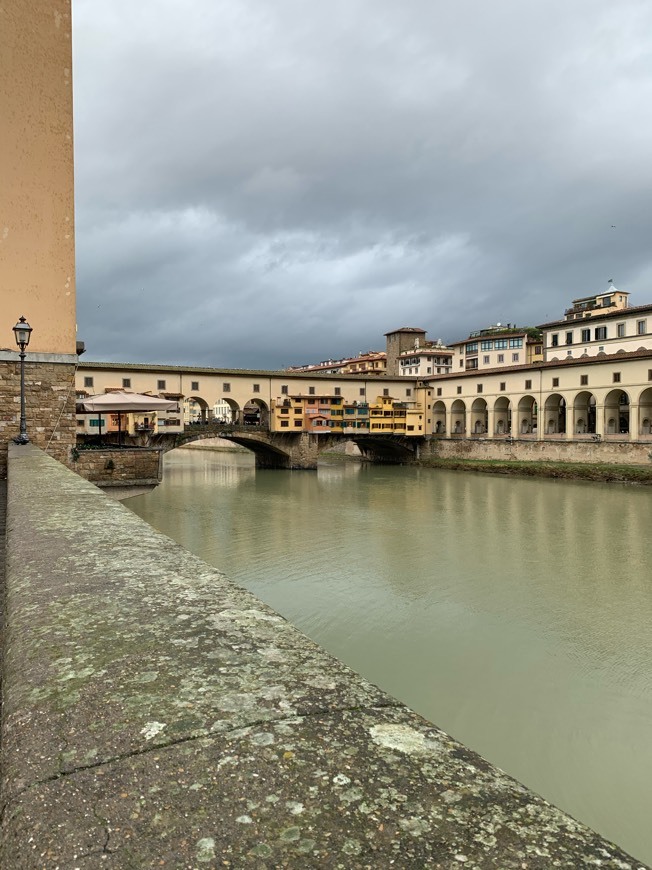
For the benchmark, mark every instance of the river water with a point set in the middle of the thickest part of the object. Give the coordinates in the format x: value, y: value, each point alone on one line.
x: 515, y: 614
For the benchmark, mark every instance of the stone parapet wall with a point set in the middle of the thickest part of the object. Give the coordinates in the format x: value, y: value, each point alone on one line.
x: 108, y: 466
x: 611, y: 452
x: 154, y: 713
x: 50, y: 407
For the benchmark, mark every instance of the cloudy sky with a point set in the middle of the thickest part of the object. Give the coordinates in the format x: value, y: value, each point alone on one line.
x: 263, y: 183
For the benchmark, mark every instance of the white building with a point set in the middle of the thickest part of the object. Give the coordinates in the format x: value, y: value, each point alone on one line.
x: 600, y: 324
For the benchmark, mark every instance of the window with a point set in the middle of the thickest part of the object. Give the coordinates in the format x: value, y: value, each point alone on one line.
x: 408, y: 392
x: 88, y: 382
x: 528, y: 385
x: 555, y: 382
x: 620, y: 330
x: 554, y: 339
x: 479, y: 388
x: 516, y: 342
x: 500, y: 343
x: 538, y: 349
x: 586, y: 335
x: 584, y: 380
x: 338, y: 391
x: 641, y: 327
x: 514, y: 357
x: 311, y: 391
x: 160, y: 385
x: 616, y: 377
x: 472, y: 348
x: 362, y: 391
x: 256, y: 388
x: 298, y: 424
x: 485, y: 360
x: 459, y: 391
x: 194, y: 385
x: 501, y: 357
x: 285, y: 424
x: 649, y: 374
x: 461, y: 363
x: 126, y: 383
x: 439, y: 391
x: 600, y: 333
x: 226, y: 388
x: 386, y: 392
x: 284, y: 389
x: 569, y: 338
x: 486, y: 345
x: 503, y: 385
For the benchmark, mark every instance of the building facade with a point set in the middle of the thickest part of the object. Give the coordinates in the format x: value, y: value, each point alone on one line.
x: 37, y: 254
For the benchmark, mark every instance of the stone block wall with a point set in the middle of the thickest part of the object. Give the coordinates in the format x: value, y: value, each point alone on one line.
x: 611, y: 452
x: 108, y: 466
x: 50, y: 407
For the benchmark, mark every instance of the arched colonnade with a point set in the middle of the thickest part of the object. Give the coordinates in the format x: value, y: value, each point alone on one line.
x: 612, y: 414
x: 254, y: 412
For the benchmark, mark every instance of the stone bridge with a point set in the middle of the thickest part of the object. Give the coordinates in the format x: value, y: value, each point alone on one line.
x: 287, y: 449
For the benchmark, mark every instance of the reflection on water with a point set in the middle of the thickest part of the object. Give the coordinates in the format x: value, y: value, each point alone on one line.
x: 515, y: 614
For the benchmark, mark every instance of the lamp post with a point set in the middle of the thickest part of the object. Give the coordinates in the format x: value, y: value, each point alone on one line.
x: 22, y: 331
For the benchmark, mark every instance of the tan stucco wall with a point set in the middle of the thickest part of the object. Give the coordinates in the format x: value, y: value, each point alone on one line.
x: 178, y: 380
x: 37, y: 253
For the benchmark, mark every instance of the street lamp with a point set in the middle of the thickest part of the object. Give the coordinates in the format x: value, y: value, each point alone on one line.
x: 22, y: 331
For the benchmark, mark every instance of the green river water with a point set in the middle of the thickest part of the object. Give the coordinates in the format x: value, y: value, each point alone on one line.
x: 516, y: 614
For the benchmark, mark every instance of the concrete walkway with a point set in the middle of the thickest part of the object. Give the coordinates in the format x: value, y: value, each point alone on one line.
x: 156, y: 715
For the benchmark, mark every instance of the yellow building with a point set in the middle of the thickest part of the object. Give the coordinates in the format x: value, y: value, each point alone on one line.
x: 388, y: 416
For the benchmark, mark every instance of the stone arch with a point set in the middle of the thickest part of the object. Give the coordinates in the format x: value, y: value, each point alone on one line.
x: 458, y: 417
x: 527, y: 416
x: 439, y: 418
x: 479, y: 417
x: 554, y: 415
x: 502, y: 416
x: 616, y: 413
x: 645, y: 412
x: 584, y: 410
x: 196, y: 410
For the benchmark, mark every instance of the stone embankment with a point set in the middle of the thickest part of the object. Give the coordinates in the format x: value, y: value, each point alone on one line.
x: 155, y: 715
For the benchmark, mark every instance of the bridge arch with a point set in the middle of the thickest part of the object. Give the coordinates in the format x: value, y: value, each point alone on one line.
x: 526, y: 416
x: 584, y: 411
x: 439, y: 418
x: 554, y: 415
x: 196, y: 409
x: 502, y: 416
x: 645, y: 412
x: 256, y: 413
x: 236, y: 415
x: 458, y: 417
x: 479, y: 417
x: 616, y: 413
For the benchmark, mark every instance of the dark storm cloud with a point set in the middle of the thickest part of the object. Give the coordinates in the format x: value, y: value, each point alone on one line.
x: 262, y: 184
